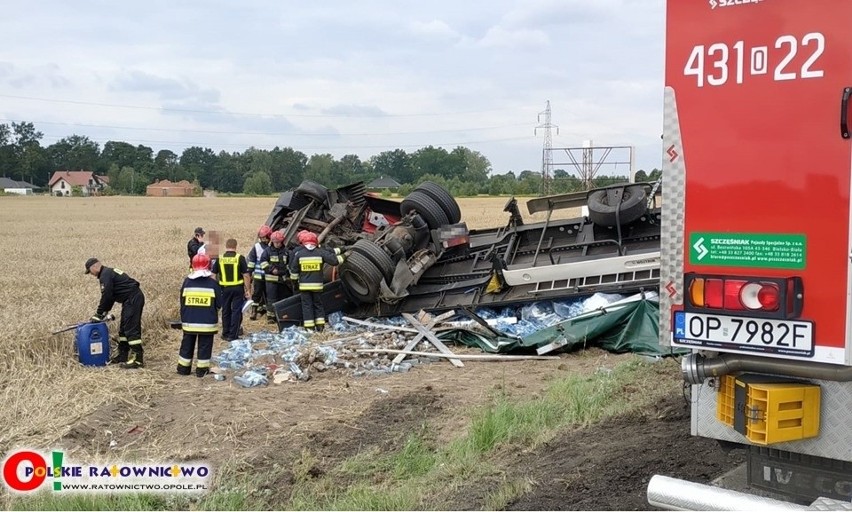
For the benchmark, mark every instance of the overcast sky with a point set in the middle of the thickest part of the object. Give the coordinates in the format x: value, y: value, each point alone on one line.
x: 354, y: 77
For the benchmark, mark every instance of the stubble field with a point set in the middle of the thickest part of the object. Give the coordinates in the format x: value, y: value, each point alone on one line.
x: 50, y: 401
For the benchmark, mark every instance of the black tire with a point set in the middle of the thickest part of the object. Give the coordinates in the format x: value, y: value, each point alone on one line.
x: 426, y: 207
x: 377, y: 257
x: 633, y: 205
x: 444, y: 199
x: 313, y: 190
x: 361, y: 278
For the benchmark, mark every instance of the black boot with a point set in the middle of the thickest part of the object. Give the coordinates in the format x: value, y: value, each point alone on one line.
x: 253, y: 315
x: 135, y: 359
x: 201, y: 372
x: 119, y: 358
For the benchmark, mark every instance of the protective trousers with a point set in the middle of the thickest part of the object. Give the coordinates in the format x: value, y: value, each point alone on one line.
x: 275, y: 291
x: 313, y: 312
x: 130, y: 330
x: 232, y: 311
x: 258, y: 293
x: 204, y: 342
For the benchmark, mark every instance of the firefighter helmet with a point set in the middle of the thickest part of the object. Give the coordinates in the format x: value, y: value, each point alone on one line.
x: 200, y: 262
x: 277, y: 236
x: 308, y: 237
x: 264, y: 231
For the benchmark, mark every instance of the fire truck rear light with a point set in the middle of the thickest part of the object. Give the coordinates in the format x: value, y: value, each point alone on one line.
x: 769, y: 296
x: 713, y: 293
x: 733, y: 294
x: 696, y: 292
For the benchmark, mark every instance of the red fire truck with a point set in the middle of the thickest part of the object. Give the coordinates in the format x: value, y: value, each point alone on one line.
x: 755, y: 244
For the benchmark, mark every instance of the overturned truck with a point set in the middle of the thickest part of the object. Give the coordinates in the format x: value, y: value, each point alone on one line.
x: 404, y: 256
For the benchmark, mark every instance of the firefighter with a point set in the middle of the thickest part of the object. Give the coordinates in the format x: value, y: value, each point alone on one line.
x: 306, y: 264
x: 194, y: 244
x: 116, y: 286
x: 258, y: 295
x: 200, y: 300
x: 274, y: 265
x: 235, y: 280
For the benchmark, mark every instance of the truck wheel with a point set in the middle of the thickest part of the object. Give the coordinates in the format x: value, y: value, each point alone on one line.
x: 426, y: 207
x: 361, y: 277
x: 632, y: 206
x: 377, y: 257
x: 313, y: 190
x: 444, y: 199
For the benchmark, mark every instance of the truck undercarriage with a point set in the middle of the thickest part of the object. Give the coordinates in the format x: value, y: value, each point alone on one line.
x: 449, y: 266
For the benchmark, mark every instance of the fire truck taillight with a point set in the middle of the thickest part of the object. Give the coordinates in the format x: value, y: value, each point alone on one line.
x: 755, y: 296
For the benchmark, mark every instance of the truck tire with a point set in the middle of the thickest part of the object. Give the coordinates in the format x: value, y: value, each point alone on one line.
x: 426, y: 207
x: 313, y: 190
x: 633, y: 205
x: 377, y: 257
x: 361, y: 278
x: 444, y: 199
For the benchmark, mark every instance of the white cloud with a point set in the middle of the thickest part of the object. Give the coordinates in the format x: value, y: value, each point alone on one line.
x: 338, y: 76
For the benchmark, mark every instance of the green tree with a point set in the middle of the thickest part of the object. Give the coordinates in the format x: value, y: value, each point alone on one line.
x: 199, y: 164
x: 28, y: 152
x: 258, y: 184
x: 75, y: 152
x: 640, y: 176
x: 396, y: 164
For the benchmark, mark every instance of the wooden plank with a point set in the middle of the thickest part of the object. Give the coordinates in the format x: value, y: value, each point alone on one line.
x: 380, y: 326
x: 433, y: 339
x: 413, y: 343
x: 466, y: 357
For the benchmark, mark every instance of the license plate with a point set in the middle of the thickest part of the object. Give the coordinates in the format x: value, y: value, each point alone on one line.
x: 787, y: 337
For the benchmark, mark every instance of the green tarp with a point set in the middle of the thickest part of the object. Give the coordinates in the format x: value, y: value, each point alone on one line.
x: 631, y: 326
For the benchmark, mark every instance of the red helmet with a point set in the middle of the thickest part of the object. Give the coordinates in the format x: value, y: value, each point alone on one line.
x: 200, y: 262
x: 264, y: 231
x: 308, y: 237
x: 277, y: 236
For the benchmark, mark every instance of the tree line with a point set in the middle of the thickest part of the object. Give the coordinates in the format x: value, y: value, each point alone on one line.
x: 260, y: 171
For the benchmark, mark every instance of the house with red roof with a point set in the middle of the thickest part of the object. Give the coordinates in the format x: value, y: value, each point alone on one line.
x: 63, y: 182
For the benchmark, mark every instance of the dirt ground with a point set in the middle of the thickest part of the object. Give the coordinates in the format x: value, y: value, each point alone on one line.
x: 605, y: 466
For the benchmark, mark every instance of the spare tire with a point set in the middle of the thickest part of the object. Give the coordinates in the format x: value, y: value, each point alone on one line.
x: 444, y: 199
x: 361, y: 277
x: 377, y: 256
x: 313, y: 190
x: 426, y: 207
x: 631, y: 207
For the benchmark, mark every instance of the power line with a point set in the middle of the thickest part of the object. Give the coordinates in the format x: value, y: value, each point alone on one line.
x: 291, y: 134
x: 314, y: 148
x: 247, y: 114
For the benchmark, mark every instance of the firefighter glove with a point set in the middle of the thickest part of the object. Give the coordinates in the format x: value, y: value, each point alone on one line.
x: 96, y: 318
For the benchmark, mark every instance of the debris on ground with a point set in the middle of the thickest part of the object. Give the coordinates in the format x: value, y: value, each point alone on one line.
x: 381, y: 346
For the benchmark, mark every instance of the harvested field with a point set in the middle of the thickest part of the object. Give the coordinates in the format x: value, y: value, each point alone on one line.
x: 291, y: 439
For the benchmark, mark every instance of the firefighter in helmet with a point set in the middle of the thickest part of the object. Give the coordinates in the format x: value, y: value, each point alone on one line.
x: 258, y: 295
x: 274, y: 266
x: 306, y: 265
x: 200, y: 300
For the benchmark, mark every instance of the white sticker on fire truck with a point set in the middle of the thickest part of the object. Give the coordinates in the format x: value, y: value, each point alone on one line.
x: 787, y: 337
x: 721, y: 64
x: 731, y: 3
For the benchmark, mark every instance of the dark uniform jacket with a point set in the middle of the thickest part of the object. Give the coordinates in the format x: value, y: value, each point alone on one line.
x: 199, y: 304
x: 230, y: 268
x: 116, y: 286
x: 274, y: 258
x: 253, y: 259
x: 192, y: 248
x: 306, y: 266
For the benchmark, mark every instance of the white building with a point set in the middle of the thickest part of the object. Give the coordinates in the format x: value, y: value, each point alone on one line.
x: 10, y: 186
